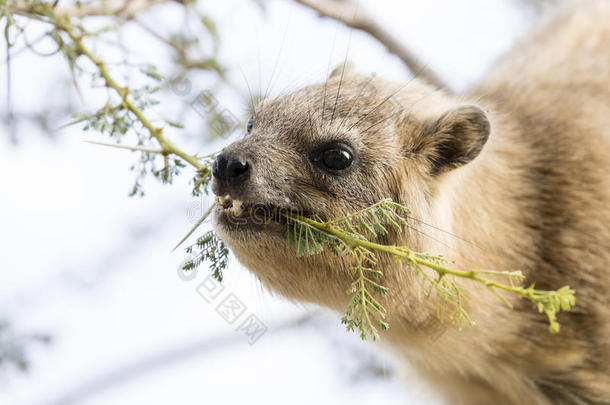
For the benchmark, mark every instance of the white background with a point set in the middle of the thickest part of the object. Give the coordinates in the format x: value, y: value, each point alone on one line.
x: 92, y: 268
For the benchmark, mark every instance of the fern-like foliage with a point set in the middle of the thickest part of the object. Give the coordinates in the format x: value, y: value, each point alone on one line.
x: 451, y: 299
x: 355, y: 234
x: 208, y: 248
x: 364, y: 313
x: 307, y: 240
x: 374, y: 220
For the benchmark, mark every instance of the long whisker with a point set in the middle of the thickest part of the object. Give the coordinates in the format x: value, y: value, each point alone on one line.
x: 292, y: 85
x: 443, y: 231
x: 356, y: 99
x: 248, y: 86
x: 384, y: 119
x: 332, y: 49
x: 310, y: 123
x: 379, y: 105
x: 277, y: 61
x: 387, y: 98
x: 317, y: 187
x: 428, y: 236
x: 260, y: 69
x: 397, y: 113
x: 332, y: 117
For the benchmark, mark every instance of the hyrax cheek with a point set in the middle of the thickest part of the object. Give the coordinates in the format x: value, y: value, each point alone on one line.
x: 267, y: 189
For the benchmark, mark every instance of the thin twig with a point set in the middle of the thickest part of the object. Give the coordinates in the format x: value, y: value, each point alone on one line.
x: 194, y: 228
x: 346, y: 12
x: 128, y: 147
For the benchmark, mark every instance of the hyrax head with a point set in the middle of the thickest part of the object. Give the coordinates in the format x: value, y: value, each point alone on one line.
x: 332, y: 149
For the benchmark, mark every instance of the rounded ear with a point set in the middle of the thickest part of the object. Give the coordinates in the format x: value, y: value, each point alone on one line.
x: 456, y: 138
x: 343, y: 68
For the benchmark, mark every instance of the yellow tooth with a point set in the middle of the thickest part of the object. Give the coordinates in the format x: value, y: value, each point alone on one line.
x: 237, y: 209
x: 223, y: 200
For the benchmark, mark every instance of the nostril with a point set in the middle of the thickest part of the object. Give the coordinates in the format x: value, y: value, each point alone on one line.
x: 230, y: 169
x: 219, y: 166
x: 237, y: 169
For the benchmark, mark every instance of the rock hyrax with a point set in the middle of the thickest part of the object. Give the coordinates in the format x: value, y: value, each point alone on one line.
x: 519, y: 166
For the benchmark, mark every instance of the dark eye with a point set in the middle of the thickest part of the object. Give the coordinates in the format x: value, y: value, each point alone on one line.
x: 249, y: 125
x: 334, y: 158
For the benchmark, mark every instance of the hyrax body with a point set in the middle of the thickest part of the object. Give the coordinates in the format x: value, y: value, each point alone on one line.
x: 519, y: 166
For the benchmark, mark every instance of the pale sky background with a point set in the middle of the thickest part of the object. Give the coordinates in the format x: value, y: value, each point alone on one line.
x: 91, y: 267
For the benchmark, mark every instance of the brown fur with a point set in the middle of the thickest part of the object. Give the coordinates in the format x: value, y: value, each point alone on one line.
x: 536, y: 198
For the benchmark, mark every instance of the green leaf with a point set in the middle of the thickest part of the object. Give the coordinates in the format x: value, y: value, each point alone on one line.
x: 211, y: 249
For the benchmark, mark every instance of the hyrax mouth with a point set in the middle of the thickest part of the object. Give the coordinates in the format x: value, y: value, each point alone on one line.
x: 231, y: 206
x: 238, y: 212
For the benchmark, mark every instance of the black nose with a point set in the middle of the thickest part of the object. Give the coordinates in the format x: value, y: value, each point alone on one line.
x: 231, y: 169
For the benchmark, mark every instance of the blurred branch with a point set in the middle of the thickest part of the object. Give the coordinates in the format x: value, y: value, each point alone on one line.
x: 14, y: 347
x: 348, y: 13
x: 124, y: 9
x: 183, y: 352
x: 157, y: 133
x: 117, y: 118
x: 183, y: 58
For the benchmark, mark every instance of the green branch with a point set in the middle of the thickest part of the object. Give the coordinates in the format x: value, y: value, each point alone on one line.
x: 167, y: 147
x: 353, y: 231
x: 62, y: 23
